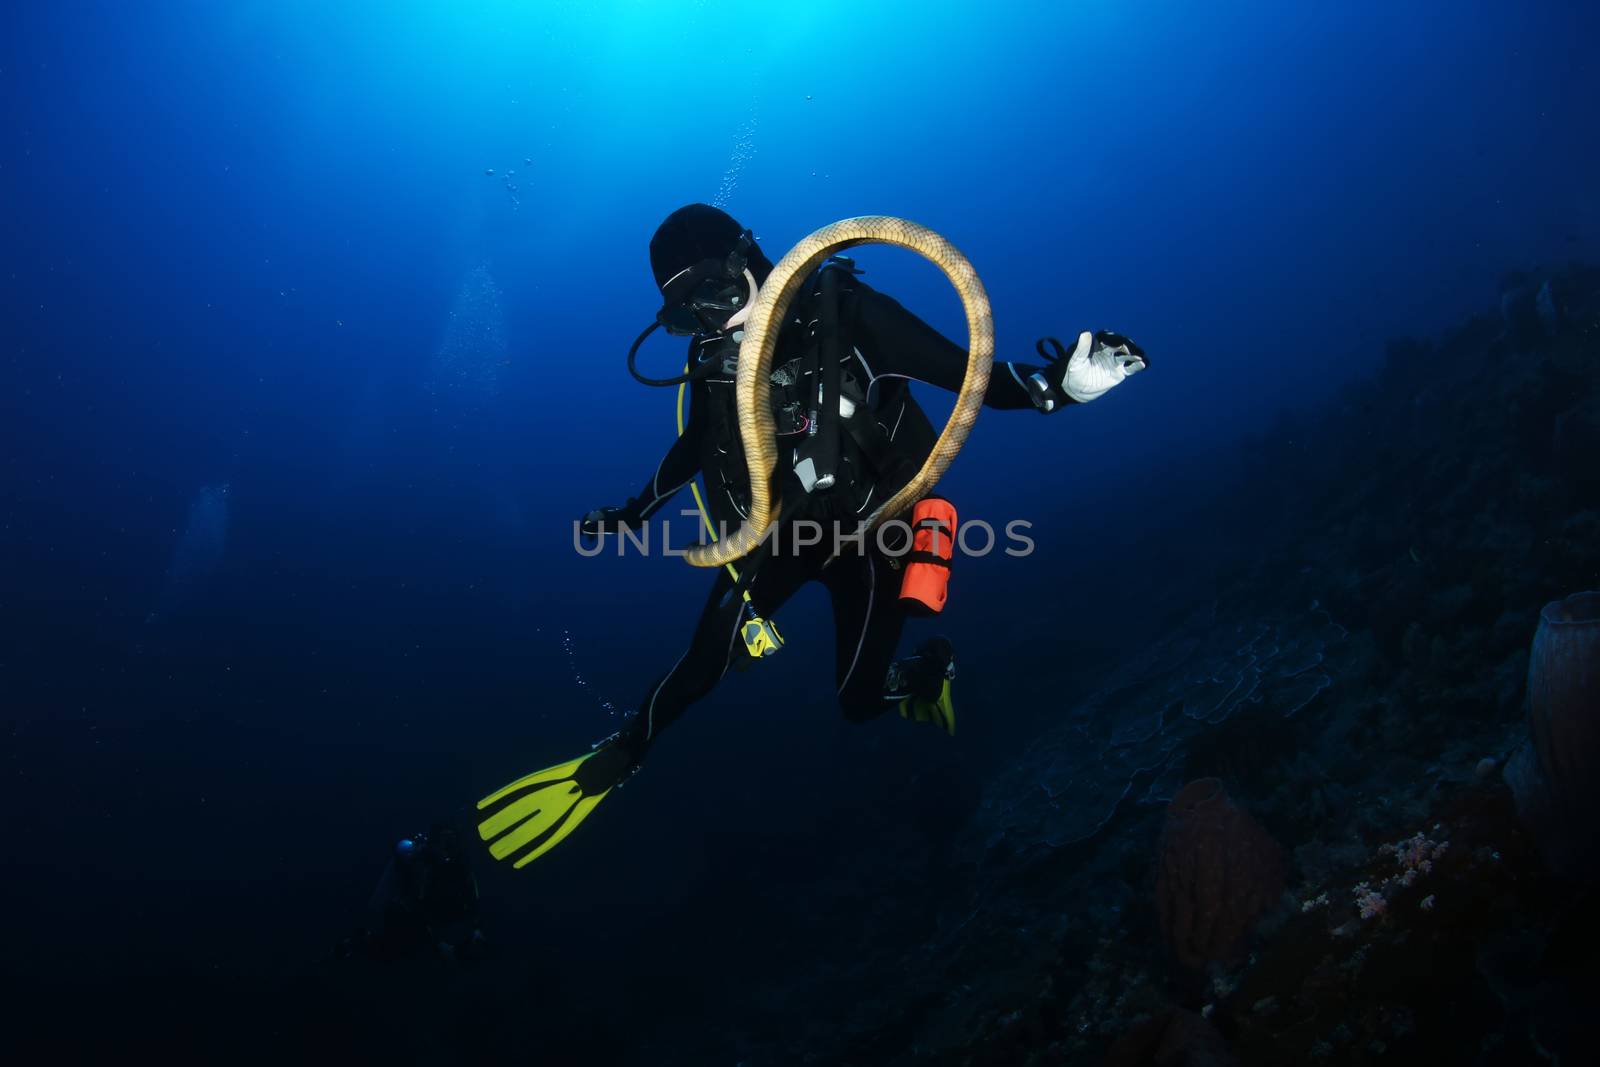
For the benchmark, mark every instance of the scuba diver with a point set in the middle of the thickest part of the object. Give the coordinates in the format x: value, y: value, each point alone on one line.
x: 840, y: 339
x: 426, y: 902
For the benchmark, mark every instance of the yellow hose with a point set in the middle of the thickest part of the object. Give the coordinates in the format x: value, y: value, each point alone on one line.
x: 753, y: 385
x: 694, y: 486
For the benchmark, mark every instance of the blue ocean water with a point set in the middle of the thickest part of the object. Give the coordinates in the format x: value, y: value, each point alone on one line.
x: 313, y: 330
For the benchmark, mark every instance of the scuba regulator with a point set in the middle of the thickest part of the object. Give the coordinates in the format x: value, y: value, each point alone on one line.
x: 703, y: 299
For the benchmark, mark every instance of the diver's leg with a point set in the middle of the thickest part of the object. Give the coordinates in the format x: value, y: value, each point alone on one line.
x: 527, y: 818
x: 867, y: 620
x: 712, y: 647
x: 919, y: 684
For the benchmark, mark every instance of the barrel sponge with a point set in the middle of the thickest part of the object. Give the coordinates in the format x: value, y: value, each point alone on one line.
x: 1556, y: 778
x: 1219, y: 871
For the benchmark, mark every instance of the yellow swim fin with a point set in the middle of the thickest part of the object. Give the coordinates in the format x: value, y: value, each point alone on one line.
x: 940, y: 711
x: 535, y: 813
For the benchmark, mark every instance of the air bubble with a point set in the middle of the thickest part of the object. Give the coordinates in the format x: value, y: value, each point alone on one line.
x: 744, y: 150
x: 569, y: 648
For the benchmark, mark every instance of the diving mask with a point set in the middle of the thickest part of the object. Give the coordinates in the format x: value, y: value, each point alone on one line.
x: 710, y: 295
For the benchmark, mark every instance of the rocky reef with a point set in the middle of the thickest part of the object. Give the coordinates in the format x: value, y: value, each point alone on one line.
x: 1356, y: 682
x: 1382, y: 639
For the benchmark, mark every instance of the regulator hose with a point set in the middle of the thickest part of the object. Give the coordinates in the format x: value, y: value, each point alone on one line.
x: 753, y: 387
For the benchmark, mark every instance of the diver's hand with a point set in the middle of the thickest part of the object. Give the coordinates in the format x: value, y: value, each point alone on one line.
x: 601, y: 521
x: 1099, y: 362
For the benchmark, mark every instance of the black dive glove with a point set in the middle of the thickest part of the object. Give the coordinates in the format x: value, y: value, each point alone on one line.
x: 1099, y: 362
x: 602, y: 521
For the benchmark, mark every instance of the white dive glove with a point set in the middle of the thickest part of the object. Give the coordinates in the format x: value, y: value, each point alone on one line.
x: 1100, y: 361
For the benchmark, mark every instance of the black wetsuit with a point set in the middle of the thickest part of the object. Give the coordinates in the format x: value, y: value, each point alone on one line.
x: 883, y: 349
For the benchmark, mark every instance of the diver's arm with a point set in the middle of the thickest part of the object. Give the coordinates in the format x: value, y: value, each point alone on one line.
x: 676, y: 470
x: 630, y: 516
x: 898, y: 344
x: 904, y: 346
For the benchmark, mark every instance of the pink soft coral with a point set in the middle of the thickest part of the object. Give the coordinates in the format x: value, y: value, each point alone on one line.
x: 1369, y: 901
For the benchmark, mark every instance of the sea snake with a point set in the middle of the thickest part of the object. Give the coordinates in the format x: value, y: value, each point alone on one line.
x: 752, y: 386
